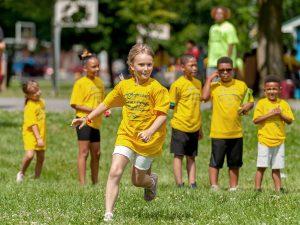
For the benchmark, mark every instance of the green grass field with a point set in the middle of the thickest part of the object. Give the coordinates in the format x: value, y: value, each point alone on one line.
x: 56, y: 198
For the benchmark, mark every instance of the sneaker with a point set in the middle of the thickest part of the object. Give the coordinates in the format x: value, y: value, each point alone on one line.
x: 193, y: 186
x: 283, y: 175
x: 20, y: 177
x: 214, y: 187
x: 108, y: 216
x: 150, y: 193
x: 258, y: 190
x: 233, y: 189
x: 180, y: 185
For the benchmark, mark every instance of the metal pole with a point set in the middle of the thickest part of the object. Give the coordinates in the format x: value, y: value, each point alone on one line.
x: 57, y: 32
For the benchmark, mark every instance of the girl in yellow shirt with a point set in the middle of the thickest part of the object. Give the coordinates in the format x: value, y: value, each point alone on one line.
x: 34, y: 126
x: 87, y: 94
x: 142, y: 131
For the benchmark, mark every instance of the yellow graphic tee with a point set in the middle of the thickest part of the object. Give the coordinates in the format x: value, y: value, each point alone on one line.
x: 34, y: 114
x: 140, y: 106
x: 226, y: 99
x: 185, y: 95
x: 271, y: 132
x: 89, y: 93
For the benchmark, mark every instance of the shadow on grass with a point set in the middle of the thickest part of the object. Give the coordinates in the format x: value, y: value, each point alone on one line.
x: 9, y: 124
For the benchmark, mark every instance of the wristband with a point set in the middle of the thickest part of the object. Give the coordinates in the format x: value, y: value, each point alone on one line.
x: 88, y: 120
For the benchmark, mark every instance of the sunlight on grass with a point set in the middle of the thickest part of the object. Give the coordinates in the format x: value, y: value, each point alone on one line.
x: 56, y: 198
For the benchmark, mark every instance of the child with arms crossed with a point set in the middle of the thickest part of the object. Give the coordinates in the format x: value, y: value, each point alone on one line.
x: 271, y: 114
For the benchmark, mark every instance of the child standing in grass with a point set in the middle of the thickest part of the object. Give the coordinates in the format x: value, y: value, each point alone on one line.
x: 34, y: 129
x: 271, y: 114
x: 142, y: 131
x: 185, y: 99
x: 226, y: 127
x: 87, y: 94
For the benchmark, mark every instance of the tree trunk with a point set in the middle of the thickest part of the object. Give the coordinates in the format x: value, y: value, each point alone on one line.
x: 269, y: 52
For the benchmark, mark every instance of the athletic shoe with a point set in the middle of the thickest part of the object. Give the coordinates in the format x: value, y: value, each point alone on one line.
x: 180, y: 185
x: 20, y: 177
x: 233, y: 189
x: 150, y: 193
x: 258, y: 190
x: 283, y: 175
x: 193, y: 186
x: 108, y: 216
x: 214, y: 187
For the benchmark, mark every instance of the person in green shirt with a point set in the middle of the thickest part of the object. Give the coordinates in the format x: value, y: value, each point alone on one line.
x: 222, y: 39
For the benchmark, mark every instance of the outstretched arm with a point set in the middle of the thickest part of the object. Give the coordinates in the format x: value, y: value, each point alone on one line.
x: 96, y: 112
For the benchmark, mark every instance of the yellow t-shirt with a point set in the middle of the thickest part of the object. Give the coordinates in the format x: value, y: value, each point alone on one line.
x: 271, y: 132
x: 89, y: 93
x: 34, y: 114
x: 185, y: 95
x: 226, y: 99
x: 140, y: 105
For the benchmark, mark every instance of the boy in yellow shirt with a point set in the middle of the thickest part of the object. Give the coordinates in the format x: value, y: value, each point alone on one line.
x: 34, y: 129
x: 226, y: 129
x: 271, y: 114
x: 185, y: 99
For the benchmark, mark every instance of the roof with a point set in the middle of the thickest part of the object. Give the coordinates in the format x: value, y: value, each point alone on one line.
x: 290, y: 25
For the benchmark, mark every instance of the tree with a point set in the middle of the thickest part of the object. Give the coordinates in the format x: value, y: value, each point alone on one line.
x: 269, y: 53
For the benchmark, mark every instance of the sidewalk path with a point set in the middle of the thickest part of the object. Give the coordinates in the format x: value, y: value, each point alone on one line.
x: 62, y: 105
x: 52, y: 105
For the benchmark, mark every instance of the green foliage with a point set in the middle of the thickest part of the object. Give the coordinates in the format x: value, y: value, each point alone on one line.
x: 57, y: 198
x: 116, y: 30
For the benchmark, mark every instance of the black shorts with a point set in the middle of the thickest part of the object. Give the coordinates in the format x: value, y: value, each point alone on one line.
x: 183, y: 143
x: 232, y: 148
x: 87, y: 133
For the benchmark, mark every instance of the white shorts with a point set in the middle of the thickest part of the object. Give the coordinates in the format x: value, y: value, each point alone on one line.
x: 139, y: 161
x: 272, y: 157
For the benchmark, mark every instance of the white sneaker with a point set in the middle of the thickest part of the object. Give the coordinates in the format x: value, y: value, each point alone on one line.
x: 20, y: 177
x: 150, y: 193
x: 108, y: 216
x: 214, y: 187
x: 233, y: 189
x: 283, y: 175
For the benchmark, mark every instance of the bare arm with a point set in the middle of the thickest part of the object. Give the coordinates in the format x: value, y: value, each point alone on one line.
x: 245, y: 108
x: 274, y: 112
x: 230, y: 49
x: 206, y: 88
x: 82, y: 121
x: 37, y: 135
x: 263, y: 118
x: 96, y: 112
x: 146, y: 134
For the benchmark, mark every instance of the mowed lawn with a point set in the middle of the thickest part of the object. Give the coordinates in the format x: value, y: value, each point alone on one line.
x: 56, y: 198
